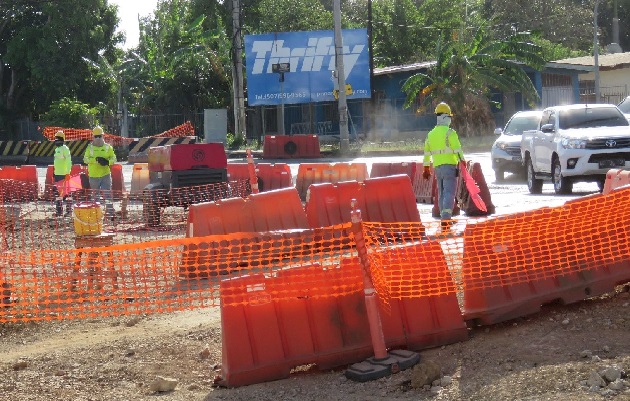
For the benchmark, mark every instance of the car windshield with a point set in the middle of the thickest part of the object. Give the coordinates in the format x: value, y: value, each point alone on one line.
x: 518, y: 124
x: 591, y: 117
x: 625, y: 106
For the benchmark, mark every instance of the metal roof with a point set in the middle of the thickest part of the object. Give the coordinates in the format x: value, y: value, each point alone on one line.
x: 611, y: 61
x: 559, y: 64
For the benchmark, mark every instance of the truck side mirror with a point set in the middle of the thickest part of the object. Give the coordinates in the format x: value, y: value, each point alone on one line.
x: 498, y: 131
x: 547, y: 128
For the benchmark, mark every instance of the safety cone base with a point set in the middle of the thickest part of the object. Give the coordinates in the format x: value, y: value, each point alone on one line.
x: 372, y: 368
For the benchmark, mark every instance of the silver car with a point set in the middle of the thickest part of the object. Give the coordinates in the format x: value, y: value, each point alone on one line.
x: 506, y: 150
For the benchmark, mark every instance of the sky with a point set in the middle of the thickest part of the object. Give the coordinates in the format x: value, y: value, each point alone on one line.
x: 128, y: 11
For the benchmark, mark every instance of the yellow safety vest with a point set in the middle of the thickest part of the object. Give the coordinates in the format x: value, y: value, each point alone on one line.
x: 95, y: 170
x: 62, y: 160
x: 442, y: 144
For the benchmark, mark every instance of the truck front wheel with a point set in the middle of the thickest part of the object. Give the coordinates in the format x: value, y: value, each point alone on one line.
x: 533, y: 184
x: 561, y: 185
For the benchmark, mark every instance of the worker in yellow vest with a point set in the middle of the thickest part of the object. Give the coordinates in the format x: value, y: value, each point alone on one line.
x: 443, y: 146
x: 62, y: 165
x: 99, y: 156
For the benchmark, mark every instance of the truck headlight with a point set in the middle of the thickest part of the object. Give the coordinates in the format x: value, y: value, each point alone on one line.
x: 572, y: 143
x: 501, y: 145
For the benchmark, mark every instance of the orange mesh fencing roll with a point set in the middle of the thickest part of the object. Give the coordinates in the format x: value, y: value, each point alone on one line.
x: 78, y: 134
x: 186, y: 129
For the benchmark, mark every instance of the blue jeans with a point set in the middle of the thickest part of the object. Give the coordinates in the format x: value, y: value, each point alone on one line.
x: 102, y: 186
x: 446, y: 176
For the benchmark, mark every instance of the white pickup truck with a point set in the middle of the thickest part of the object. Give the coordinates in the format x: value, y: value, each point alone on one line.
x: 575, y: 143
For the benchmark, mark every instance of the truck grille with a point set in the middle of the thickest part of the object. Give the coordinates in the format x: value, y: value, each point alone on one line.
x: 513, y: 150
x: 608, y: 143
x: 598, y: 157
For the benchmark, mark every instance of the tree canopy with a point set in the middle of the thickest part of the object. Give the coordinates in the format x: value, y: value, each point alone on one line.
x: 51, y: 50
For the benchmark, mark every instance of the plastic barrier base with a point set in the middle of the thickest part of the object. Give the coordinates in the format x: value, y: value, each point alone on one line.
x: 372, y: 368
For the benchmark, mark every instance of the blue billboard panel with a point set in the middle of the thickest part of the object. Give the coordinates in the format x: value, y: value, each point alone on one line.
x: 311, y: 61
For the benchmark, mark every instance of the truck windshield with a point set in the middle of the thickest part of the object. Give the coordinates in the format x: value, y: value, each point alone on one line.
x: 591, y: 117
x: 518, y: 124
x: 625, y: 105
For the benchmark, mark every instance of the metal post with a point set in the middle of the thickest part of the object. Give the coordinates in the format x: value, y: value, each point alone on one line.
x: 237, y: 71
x: 341, y: 79
x: 596, y: 53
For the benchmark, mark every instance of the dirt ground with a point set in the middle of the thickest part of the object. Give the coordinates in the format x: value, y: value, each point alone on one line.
x: 565, y: 352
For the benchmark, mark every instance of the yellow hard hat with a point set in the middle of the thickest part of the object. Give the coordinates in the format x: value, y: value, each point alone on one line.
x: 97, y: 131
x: 60, y: 134
x: 443, y: 108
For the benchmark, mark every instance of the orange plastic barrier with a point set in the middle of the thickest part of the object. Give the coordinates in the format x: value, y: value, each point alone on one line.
x: 386, y: 169
x: 267, y: 211
x: 139, y: 178
x: 607, y: 264
x: 328, y: 204
x: 419, y: 322
x: 423, y: 188
x: 315, y: 173
x: 390, y: 199
x: 118, y: 186
x: 237, y: 171
x: 615, y: 178
x: 25, y: 174
x: 263, y: 340
x: 506, y: 262
x: 382, y: 199
x: 284, y: 322
x: 474, y: 169
x: 270, y: 175
x: 291, y: 147
x: 49, y: 180
x: 274, y: 176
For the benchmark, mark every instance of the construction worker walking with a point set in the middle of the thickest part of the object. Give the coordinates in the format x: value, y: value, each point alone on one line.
x: 62, y: 165
x: 99, y: 156
x: 443, y: 146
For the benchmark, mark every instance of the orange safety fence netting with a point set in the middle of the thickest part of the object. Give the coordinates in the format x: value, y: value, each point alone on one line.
x: 586, y: 241
x: 78, y: 134
x: 186, y: 129
x: 29, y: 221
x: 170, y: 275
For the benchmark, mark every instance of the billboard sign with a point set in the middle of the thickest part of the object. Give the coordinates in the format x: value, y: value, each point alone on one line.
x: 297, y: 67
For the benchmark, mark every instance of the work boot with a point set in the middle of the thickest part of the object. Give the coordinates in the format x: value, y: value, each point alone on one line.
x: 445, y: 225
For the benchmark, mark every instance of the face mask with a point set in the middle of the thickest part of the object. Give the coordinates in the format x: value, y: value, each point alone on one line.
x: 98, y: 141
x: 58, y: 143
x: 444, y: 120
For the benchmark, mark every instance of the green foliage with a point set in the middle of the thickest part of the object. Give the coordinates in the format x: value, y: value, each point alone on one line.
x: 293, y: 15
x: 235, y: 141
x: 466, y: 70
x: 41, y: 50
x: 183, y: 61
x: 556, y: 51
x: 70, y: 113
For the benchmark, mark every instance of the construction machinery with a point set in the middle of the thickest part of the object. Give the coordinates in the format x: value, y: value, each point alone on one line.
x: 184, y: 174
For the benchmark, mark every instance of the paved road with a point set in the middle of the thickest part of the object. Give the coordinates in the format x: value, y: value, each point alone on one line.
x: 509, y: 196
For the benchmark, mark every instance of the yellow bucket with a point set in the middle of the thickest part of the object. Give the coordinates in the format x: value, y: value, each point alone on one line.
x: 88, y: 219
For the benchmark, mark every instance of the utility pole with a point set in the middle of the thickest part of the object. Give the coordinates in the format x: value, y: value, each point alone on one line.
x: 237, y: 71
x: 596, y: 54
x: 341, y: 79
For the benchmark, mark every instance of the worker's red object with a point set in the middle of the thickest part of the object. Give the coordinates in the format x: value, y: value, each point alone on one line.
x: 192, y: 156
